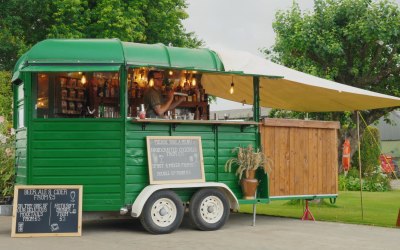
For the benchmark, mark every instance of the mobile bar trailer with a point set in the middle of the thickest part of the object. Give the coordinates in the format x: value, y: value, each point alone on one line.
x: 76, y: 107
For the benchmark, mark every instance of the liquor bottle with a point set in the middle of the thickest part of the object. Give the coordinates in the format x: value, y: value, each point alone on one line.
x: 106, y: 89
x: 101, y: 110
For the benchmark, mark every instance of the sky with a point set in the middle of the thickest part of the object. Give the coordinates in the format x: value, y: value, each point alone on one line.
x: 237, y: 24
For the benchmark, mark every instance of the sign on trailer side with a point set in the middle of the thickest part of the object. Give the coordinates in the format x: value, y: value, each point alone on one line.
x: 175, y: 159
x: 47, y: 211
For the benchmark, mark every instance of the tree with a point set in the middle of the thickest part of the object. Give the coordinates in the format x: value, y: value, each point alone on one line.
x: 370, y: 151
x: 23, y: 23
x: 355, y: 42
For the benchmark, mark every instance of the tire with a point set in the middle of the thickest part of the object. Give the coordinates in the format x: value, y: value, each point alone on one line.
x: 209, y: 209
x: 162, y: 213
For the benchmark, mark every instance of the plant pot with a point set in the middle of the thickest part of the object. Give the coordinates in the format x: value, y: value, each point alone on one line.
x: 249, y: 187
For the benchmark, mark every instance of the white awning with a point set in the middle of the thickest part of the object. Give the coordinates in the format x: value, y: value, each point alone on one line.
x: 295, y: 91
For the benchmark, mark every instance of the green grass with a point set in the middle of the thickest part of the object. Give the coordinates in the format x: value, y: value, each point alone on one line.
x: 380, y: 208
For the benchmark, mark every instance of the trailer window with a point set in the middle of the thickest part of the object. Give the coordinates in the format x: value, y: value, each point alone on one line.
x: 77, y: 95
x: 185, y: 83
x: 20, y: 106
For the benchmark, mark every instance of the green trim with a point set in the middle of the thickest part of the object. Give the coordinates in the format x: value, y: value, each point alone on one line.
x: 302, y: 197
x: 28, y: 83
x: 70, y: 68
x: 256, y: 98
x: 123, y: 114
x: 254, y: 201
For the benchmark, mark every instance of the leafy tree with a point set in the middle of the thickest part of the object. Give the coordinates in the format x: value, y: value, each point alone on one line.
x: 355, y: 42
x: 370, y: 151
x: 23, y: 23
x: 5, y: 96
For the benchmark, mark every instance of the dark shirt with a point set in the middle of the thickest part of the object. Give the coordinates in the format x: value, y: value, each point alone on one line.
x: 152, y: 98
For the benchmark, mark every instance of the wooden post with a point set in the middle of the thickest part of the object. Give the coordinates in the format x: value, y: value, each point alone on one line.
x: 398, y: 219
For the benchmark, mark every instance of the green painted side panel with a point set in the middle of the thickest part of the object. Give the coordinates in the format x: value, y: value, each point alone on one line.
x: 76, y: 152
x: 217, y: 145
x: 20, y: 156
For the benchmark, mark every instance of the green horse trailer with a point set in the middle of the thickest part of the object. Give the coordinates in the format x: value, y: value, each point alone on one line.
x: 76, y: 106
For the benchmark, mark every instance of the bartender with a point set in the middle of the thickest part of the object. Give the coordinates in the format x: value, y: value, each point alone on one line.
x: 155, y: 104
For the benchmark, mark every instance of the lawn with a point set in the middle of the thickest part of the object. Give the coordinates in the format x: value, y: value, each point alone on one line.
x: 380, y: 208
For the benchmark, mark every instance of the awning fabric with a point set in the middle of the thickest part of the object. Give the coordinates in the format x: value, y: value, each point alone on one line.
x: 295, y: 91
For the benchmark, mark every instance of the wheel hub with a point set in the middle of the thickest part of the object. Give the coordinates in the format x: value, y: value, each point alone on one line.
x: 211, y: 209
x: 163, y: 212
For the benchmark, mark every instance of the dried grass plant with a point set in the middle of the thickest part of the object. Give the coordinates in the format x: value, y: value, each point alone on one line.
x: 248, y: 159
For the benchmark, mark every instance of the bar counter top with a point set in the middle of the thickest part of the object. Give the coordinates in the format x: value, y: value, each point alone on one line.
x: 216, y: 122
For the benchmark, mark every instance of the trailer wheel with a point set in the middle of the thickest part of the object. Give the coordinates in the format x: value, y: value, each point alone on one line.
x: 209, y: 209
x: 162, y: 213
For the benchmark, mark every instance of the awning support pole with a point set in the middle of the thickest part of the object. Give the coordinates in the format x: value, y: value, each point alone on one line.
x: 359, y: 163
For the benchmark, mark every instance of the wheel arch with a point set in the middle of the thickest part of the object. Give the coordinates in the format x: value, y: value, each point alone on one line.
x: 145, y: 194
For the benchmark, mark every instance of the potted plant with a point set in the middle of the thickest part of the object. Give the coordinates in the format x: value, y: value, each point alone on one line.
x: 248, y: 160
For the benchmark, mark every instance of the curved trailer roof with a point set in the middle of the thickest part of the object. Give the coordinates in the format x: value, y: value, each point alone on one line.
x: 108, y: 54
x: 291, y: 89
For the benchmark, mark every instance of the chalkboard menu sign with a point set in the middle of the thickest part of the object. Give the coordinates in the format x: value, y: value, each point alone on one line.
x: 175, y: 159
x: 47, y: 211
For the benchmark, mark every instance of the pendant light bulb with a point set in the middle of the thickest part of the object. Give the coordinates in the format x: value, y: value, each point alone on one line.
x: 151, y: 82
x: 231, y: 90
x: 194, y: 82
x: 170, y: 72
x: 83, y: 79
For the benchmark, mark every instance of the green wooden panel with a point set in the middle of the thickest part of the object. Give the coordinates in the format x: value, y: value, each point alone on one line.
x: 141, y: 135
x: 65, y: 125
x: 130, y: 126
x: 193, y: 128
x: 110, y: 196
x: 136, y: 143
x: 208, y: 152
x: 236, y: 136
x: 209, y: 160
x: 75, y: 153
x: 229, y: 128
x: 131, y: 188
x: 226, y: 153
x: 209, y: 169
x: 211, y: 177
x: 100, y: 207
x: 130, y: 197
x: 137, y: 178
x: 102, y: 201
x: 105, y: 188
x: 208, y: 144
x: 150, y: 127
x: 135, y: 170
x: 227, y: 176
x: 139, y: 161
x: 204, y: 135
x: 233, y: 144
x: 77, y: 144
x: 76, y: 135
x: 66, y: 162
x: 77, y: 180
x: 73, y: 171
x: 136, y: 152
